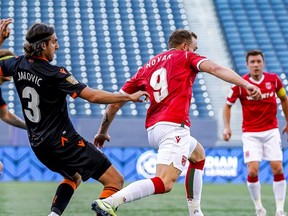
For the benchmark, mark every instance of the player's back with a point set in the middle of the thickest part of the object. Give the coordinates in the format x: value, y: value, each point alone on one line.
x: 168, y: 78
x: 40, y: 88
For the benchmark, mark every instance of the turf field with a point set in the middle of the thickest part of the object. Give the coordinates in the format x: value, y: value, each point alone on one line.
x: 34, y: 199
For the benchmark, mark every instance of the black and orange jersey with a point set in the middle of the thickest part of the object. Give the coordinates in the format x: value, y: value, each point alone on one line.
x: 42, y: 89
x: 2, y: 101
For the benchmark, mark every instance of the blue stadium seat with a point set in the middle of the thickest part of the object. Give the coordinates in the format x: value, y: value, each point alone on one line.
x: 103, y: 43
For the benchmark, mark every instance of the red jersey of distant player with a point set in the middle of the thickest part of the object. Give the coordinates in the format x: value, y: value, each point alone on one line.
x: 168, y: 78
x: 258, y: 115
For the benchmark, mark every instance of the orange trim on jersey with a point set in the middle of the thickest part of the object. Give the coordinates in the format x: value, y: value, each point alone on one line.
x: 69, y: 182
x: 38, y: 57
x: 74, y: 95
x: 61, y: 70
x: 81, y: 143
x: 3, y: 106
x: 63, y: 140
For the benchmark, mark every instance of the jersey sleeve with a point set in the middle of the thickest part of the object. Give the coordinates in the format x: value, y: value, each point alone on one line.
x: 280, y: 90
x: 196, y: 60
x: 135, y: 84
x: 233, y: 94
x: 68, y: 83
x: 7, y: 66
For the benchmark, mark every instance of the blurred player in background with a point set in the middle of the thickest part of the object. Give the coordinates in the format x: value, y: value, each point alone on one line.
x: 5, y: 114
x: 261, y: 137
x: 168, y: 78
x: 42, y: 89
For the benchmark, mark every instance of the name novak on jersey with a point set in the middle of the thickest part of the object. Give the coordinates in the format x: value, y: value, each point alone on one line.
x: 23, y: 75
x: 158, y: 59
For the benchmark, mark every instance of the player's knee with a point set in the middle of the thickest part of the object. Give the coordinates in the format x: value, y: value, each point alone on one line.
x: 120, y: 181
x: 277, y: 170
x: 117, y: 181
x: 77, y: 179
x: 169, y: 187
x: 253, y: 172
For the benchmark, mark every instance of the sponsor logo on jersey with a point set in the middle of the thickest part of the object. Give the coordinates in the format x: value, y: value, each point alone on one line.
x: 71, y: 79
x: 264, y: 95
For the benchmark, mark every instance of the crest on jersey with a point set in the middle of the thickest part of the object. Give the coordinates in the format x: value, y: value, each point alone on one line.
x: 71, y: 79
x: 268, y: 85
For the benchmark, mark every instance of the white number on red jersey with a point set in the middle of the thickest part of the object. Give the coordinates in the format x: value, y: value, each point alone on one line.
x: 159, y: 83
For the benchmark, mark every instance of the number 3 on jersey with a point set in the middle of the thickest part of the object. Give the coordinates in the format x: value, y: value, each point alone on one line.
x: 159, y: 83
x: 33, y: 111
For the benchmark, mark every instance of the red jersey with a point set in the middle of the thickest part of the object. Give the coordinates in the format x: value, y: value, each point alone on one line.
x: 258, y: 115
x: 168, y: 78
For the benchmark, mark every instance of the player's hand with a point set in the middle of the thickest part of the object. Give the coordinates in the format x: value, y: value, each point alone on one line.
x: 4, y: 30
x: 253, y: 91
x: 138, y: 96
x: 99, y: 140
x: 226, y: 134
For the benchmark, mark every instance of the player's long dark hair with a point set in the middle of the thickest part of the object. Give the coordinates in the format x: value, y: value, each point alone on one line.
x: 36, y: 37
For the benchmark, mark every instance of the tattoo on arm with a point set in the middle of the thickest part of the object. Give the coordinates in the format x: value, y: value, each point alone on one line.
x: 105, y: 119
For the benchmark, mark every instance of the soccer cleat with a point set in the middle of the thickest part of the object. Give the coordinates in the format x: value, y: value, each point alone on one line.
x: 281, y: 213
x: 261, y: 212
x: 103, y: 208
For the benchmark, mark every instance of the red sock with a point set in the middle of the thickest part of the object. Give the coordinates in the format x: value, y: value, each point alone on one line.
x: 159, y: 185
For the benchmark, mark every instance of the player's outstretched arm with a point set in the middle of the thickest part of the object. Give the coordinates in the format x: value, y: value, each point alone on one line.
x: 104, y: 97
x: 230, y: 76
x: 107, y: 119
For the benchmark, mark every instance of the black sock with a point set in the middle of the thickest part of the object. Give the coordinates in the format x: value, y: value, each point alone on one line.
x: 62, y: 197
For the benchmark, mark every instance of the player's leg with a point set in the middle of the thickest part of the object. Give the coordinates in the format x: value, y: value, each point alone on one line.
x: 63, y: 194
x: 253, y: 154
x: 194, y: 178
x: 273, y: 153
x: 112, y: 181
x: 279, y: 185
x: 169, y: 159
x: 254, y: 187
x: 139, y: 189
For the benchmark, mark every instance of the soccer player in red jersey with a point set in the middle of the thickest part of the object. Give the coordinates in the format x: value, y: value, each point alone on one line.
x: 168, y: 78
x: 42, y: 89
x: 261, y: 136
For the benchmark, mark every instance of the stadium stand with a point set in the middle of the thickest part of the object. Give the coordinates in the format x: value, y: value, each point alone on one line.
x: 103, y: 44
x: 259, y: 24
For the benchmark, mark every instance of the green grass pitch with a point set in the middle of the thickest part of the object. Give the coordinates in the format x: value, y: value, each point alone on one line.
x: 34, y: 199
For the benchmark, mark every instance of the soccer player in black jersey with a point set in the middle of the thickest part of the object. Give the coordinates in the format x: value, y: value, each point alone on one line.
x: 42, y: 89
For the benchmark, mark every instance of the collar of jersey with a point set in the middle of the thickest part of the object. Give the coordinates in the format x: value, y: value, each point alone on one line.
x: 41, y: 58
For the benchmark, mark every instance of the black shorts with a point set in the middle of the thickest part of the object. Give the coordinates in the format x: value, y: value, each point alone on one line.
x: 78, y: 156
